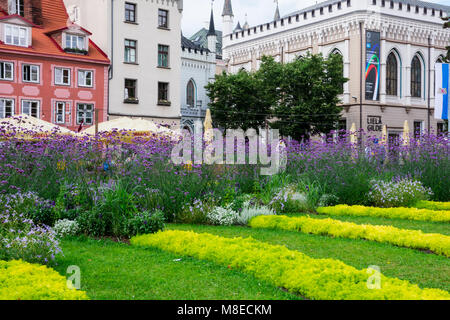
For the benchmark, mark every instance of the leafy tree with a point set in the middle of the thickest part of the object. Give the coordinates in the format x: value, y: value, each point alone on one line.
x: 238, y: 101
x: 308, y: 101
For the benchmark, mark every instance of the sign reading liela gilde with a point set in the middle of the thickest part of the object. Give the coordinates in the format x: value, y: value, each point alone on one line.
x: 374, y: 123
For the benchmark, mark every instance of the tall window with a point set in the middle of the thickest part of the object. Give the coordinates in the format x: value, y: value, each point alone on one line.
x: 130, y: 51
x: 130, y: 89
x: 75, y: 42
x: 6, y: 108
x: 163, y: 18
x: 130, y: 12
x: 85, y: 113
x: 163, y: 56
x: 30, y: 108
x: 6, y: 71
x: 336, y: 52
x: 163, y: 93
x: 190, y: 94
x: 16, y: 7
x: 62, y: 76
x: 30, y: 73
x: 85, y: 78
x: 16, y: 35
x: 392, y: 75
x: 60, y: 111
x: 416, y: 78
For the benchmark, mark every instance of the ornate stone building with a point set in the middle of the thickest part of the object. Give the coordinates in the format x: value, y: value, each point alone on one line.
x: 389, y: 50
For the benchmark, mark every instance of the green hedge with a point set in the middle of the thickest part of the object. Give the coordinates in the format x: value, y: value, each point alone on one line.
x: 415, y: 239
x: 321, y: 279
x: 392, y: 213
x: 24, y: 281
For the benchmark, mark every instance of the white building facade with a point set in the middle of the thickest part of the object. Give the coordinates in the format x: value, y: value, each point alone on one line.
x: 389, y: 50
x: 142, y: 40
x: 198, y: 68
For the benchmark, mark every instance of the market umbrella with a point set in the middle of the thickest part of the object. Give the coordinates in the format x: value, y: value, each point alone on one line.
x: 209, y: 134
x: 31, y: 127
x: 384, y: 136
x: 353, y: 135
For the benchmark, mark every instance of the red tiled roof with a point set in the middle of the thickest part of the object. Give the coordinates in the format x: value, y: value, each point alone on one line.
x: 54, y: 17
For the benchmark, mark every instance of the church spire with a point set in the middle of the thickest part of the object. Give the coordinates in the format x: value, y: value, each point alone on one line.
x: 212, y: 28
x: 277, y: 13
x: 227, y: 9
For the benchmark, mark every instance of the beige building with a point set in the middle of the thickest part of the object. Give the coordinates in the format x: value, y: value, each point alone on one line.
x: 389, y: 50
x: 142, y: 39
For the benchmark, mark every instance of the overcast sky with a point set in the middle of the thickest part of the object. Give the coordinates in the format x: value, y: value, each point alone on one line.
x: 196, y: 12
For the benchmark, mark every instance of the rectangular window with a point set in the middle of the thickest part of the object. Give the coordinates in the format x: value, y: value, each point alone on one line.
x: 163, y: 56
x: 130, y: 12
x: 60, y: 111
x: 75, y: 42
x: 130, y: 51
x: 16, y: 7
x: 62, y: 76
x: 85, y: 114
x: 16, y: 35
x: 130, y: 89
x: 6, y: 71
x: 163, y: 93
x: 85, y: 78
x: 30, y: 108
x: 6, y: 108
x: 418, y: 128
x: 30, y: 73
x: 163, y: 18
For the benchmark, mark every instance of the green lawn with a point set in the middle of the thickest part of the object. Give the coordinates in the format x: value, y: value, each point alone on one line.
x: 118, y: 271
x: 113, y: 270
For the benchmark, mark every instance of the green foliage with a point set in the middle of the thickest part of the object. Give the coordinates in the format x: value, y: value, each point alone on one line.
x: 432, y: 205
x: 446, y: 26
x: 145, y: 223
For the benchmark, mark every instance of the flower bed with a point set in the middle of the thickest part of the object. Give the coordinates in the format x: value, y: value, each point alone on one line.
x: 432, y: 205
x: 391, y: 213
x: 415, y: 239
x: 23, y: 281
x: 326, y: 279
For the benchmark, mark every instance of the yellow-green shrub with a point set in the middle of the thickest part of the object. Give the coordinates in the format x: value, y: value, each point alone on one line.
x: 325, y: 279
x: 415, y: 239
x: 24, y: 281
x: 432, y: 205
x: 392, y: 213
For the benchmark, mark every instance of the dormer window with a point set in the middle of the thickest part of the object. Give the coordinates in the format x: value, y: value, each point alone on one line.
x: 16, y: 7
x: 16, y: 35
x: 75, y: 42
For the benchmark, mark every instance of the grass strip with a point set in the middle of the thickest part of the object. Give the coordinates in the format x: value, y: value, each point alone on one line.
x: 321, y: 279
x: 391, y: 213
x: 414, y: 239
x: 432, y: 205
x: 24, y: 281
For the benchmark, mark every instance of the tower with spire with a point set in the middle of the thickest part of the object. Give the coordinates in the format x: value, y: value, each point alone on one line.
x: 228, y: 18
x: 277, y: 12
x: 212, y: 36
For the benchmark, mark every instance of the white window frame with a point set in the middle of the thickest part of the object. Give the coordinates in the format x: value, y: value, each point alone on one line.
x: 57, y: 113
x: 11, y: 65
x: 3, y: 109
x: 68, y: 38
x: 14, y: 7
x: 14, y: 32
x: 32, y: 66
x: 60, y: 82
x: 84, y: 73
x: 38, y: 108
x: 85, y: 105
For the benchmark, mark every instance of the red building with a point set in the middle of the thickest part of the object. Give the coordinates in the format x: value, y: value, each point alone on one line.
x: 49, y: 68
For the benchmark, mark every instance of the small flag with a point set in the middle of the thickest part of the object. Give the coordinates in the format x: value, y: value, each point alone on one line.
x: 442, y: 87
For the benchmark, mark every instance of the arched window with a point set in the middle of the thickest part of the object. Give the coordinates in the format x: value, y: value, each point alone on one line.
x: 339, y: 53
x: 392, y: 75
x: 416, y: 78
x: 190, y: 94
